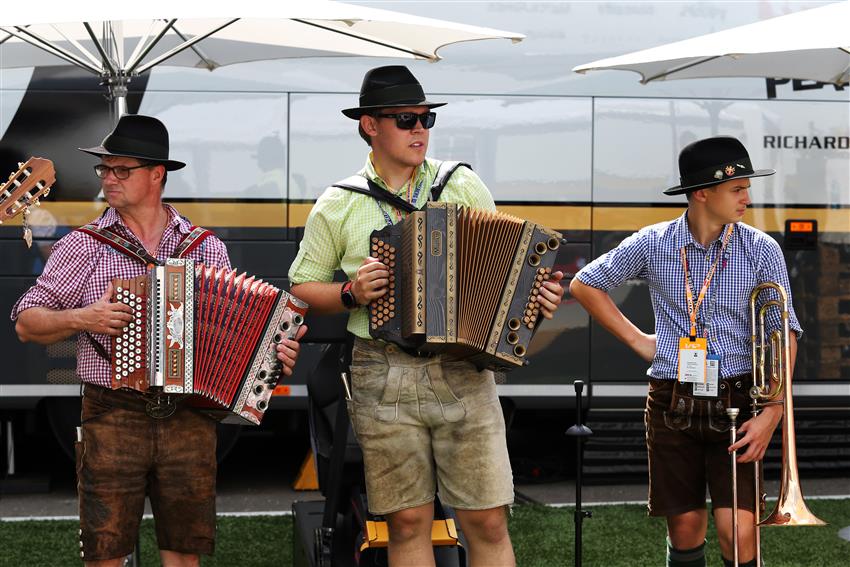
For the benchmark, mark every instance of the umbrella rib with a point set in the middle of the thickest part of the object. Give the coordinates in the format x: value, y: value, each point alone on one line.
x: 137, y: 58
x: 681, y: 68
x: 210, y: 64
x: 78, y: 45
x: 367, y: 39
x: 143, y: 40
x: 183, y: 46
x: 33, y: 39
x: 8, y: 35
x: 106, y: 60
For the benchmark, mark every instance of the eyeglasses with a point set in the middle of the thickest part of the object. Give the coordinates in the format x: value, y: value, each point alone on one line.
x: 119, y: 171
x: 407, y: 120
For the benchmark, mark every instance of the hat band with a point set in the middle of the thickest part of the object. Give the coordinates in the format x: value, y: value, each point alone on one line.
x: 396, y: 94
x: 120, y: 144
x: 718, y: 173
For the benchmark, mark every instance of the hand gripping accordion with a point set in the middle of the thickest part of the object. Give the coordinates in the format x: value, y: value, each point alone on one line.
x: 464, y: 282
x: 205, y: 331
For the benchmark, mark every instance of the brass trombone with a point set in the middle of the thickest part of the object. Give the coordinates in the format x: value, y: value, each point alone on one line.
x: 790, y: 508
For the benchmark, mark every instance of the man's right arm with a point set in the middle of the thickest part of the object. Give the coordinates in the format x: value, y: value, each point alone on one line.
x: 325, y: 298
x: 602, y: 308
x: 45, y: 326
x: 629, y: 260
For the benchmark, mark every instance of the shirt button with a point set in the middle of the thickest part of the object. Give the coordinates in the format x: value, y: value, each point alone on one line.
x: 391, y: 349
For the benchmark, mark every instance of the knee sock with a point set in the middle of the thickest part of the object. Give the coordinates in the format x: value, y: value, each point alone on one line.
x: 685, y: 557
x: 729, y: 563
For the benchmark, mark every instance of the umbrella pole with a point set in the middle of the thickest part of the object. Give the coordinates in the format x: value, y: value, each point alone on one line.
x: 117, y: 87
x: 581, y: 433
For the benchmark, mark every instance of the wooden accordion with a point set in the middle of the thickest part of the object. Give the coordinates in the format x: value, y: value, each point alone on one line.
x: 464, y: 282
x: 204, y: 331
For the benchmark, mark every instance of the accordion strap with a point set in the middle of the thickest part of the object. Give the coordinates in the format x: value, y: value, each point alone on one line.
x: 121, y: 244
x: 444, y: 172
x: 360, y: 184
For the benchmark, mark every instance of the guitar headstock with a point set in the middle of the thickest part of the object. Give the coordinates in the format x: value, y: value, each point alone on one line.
x: 24, y: 188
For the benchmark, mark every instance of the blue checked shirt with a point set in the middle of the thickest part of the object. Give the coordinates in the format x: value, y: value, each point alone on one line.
x: 653, y: 255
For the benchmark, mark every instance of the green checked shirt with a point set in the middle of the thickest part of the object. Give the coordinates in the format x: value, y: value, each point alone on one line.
x: 338, y: 228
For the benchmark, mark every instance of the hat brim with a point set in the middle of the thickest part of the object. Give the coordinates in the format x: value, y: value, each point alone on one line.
x: 100, y: 151
x: 679, y: 190
x: 357, y: 112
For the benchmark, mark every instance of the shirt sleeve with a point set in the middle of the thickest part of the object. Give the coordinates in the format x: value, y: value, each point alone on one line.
x: 317, y: 257
x: 62, y: 283
x: 627, y: 261
x: 215, y: 253
x: 773, y: 269
x: 466, y: 188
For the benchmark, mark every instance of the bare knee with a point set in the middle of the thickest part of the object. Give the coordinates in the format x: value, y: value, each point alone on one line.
x: 410, y: 524
x: 687, y: 530
x: 175, y: 559
x: 490, y: 526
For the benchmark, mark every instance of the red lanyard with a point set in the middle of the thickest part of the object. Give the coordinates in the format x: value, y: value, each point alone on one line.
x: 692, y: 308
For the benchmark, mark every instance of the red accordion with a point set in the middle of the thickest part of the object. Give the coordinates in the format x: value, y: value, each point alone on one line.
x: 205, y: 331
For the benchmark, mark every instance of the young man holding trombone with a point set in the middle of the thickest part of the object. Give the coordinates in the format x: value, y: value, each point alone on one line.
x: 701, y: 269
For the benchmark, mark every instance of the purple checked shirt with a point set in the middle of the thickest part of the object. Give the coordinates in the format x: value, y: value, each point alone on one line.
x: 80, y: 268
x: 653, y: 255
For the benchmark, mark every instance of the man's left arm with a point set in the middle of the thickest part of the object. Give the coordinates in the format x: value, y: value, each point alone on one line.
x: 757, y: 432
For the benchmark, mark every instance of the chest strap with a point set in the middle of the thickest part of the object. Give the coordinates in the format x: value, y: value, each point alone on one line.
x: 359, y: 184
x: 108, y: 236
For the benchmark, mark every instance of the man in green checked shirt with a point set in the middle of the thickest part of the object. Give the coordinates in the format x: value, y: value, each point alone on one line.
x: 423, y: 422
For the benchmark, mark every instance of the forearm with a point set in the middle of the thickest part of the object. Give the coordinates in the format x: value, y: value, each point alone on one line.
x: 46, y: 326
x: 602, y: 308
x: 323, y: 297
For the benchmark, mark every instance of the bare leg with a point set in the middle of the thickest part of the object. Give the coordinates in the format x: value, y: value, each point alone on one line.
x: 487, y: 534
x: 746, y: 533
x: 174, y: 559
x: 410, y: 537
x: 687, y: 530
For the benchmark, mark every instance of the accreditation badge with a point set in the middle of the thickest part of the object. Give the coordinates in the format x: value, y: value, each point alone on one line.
x: 712, y: 377
x: 692, y: 357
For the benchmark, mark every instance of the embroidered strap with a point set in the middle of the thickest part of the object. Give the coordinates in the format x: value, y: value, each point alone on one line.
x: 118, y: 242
x: 191, y: 241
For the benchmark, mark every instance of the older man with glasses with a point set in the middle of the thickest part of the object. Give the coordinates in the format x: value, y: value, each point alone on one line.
x: 423, y: 422
x: 125, y: 450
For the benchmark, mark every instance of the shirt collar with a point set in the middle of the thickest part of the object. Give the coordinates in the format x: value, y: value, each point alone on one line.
x: 111, y: 218
x: 685, y: 238
x: 371, y: 174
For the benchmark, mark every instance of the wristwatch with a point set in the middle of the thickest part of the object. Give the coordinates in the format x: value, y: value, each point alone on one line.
x: 348, y: 299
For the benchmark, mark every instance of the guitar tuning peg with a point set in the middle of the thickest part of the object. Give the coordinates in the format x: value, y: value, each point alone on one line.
x: 20, y: 164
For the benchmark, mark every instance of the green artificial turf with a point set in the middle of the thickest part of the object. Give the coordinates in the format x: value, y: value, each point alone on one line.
x: 542, y: 537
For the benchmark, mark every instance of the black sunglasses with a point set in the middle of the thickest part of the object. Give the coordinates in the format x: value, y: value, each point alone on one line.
x: 119, y: 171
x: 407, y: 120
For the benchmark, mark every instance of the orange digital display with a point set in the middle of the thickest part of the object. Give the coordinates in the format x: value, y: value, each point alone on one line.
x: 802, y: 226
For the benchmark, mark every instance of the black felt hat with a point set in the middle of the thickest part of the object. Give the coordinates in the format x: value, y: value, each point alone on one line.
x: 140, y: 137
x: 711, y: 161
x: 386, y: 87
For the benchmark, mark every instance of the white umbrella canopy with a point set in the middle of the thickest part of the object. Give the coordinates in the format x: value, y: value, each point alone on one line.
x: 810, y: 45
x: 118, y: 42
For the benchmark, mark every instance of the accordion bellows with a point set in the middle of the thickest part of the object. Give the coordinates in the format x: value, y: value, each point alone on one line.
x: 463, y: 281
x: 205, y: 331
